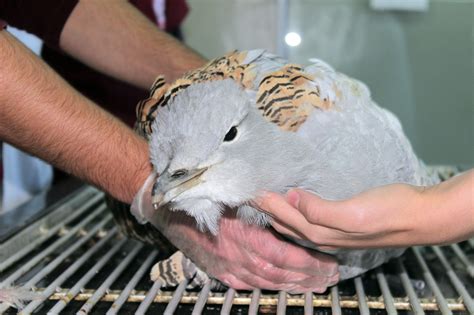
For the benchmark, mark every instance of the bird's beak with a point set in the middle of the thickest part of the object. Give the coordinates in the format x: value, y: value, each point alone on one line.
x: 168, y: 188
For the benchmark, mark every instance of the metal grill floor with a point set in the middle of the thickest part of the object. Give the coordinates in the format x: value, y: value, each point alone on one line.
x: 78, y: 262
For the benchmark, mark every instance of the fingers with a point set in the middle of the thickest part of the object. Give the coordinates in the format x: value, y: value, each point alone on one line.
x: 232, y: 281
x: 285, y: 230
x: 302, y: 212
x: 295, y: 258
x: 244, y: 279
x: 278, y: 263
x: 291, y: 221
x: 319, y: 211
x: 282, y: 211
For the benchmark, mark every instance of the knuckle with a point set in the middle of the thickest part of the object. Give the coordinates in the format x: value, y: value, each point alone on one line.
x: 312, y: 215
x: 232, y: 281
x: 333, y: 280
x: 240, y: 286
x: 266, y: 201
x: 298, y: 290
x: 314, y: 237
x: 257, y: 263
x: 225, y: 280
x: 268, y: 271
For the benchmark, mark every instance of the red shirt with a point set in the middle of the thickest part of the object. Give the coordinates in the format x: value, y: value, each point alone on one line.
x: 46, y: 19
x: 117, y: 97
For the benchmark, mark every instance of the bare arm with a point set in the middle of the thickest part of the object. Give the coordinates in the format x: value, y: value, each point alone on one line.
x: 43, y: 115
x: 392, y: 215
x: 39, y: 112
x: 115, y: 38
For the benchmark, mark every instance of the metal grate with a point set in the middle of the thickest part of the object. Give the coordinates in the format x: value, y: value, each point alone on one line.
x: 79, y: 263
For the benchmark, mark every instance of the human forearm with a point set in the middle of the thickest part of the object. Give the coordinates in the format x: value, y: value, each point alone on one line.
x: 448, y: 210
x: 43, y: 115
x: 115, y: 38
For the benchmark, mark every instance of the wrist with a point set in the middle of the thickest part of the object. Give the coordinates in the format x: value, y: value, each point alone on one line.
x: 413, y: 226
x: 139, y: 178
x: 432, y: 220
x: 136, y: 169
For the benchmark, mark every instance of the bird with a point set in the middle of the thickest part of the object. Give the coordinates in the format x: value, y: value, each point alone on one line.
x: 249, y: 122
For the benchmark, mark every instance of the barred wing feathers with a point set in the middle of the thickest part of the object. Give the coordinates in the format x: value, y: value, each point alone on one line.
x: 286, y: 94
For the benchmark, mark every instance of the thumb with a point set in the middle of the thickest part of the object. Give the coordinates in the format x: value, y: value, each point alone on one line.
x: 318, y: 211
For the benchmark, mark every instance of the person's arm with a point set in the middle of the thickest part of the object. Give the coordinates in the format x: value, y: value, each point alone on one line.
x: 110, y: 36
x: 43, y: 115
x: 115, y: 38
x: 392, y: 215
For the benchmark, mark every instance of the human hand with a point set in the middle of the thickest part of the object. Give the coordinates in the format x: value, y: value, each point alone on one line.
x: 241, y: 256
x: 380, y: 217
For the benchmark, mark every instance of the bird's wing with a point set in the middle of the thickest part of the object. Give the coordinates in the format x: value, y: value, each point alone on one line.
x: 285, y: 94
x: 234, y: 65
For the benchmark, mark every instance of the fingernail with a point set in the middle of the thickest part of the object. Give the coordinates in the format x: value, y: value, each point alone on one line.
x: 293, y: 198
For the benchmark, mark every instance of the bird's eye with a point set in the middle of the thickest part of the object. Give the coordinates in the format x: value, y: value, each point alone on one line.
x: 231, y: 134
x: 179, y: 173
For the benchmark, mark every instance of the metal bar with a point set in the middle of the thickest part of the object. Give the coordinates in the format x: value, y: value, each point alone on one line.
x: 335, y: 302
x: 86, y: 308
x: 281, y: 307
x: 308, y: 303
x: 132, y: 283
x: 361, y: 297
x: 471, y: 242
x: 58, y: 307
x: 442, y: 304
x: 202, y: 299
x: 58, y: 260
x: 255, y: 299
x: 255, y: 302
x: 244, y: 299
x: 178, y: 293
x: 464, y: 259
x: 66, y: 274
x: 27, y: 266
x: 47, y: 234
x: 407, y: 285
x: 228, y: 301
x: 150, y: 296
x: 387, y: 295
x: 460, y: 288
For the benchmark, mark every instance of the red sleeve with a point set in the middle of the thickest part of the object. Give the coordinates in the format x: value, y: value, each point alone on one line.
x: 44, y: 18
x: 176, y: 11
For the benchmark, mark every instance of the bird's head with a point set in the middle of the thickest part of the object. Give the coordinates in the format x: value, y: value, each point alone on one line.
x: 210, y: 146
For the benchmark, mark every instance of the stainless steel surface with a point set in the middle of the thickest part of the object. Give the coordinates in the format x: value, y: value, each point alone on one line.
x: 387, y: 295
x: 308, y: 303
x: 79, y: 263
x: 133, y: 282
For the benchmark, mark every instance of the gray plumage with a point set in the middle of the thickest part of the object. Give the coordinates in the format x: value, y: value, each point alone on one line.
x: 336, y: 153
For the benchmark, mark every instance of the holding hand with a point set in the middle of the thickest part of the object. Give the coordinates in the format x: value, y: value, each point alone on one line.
x: 241, y: 256
x: 392, y: 215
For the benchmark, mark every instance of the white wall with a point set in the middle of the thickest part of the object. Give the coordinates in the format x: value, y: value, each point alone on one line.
x: 418, y: 65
